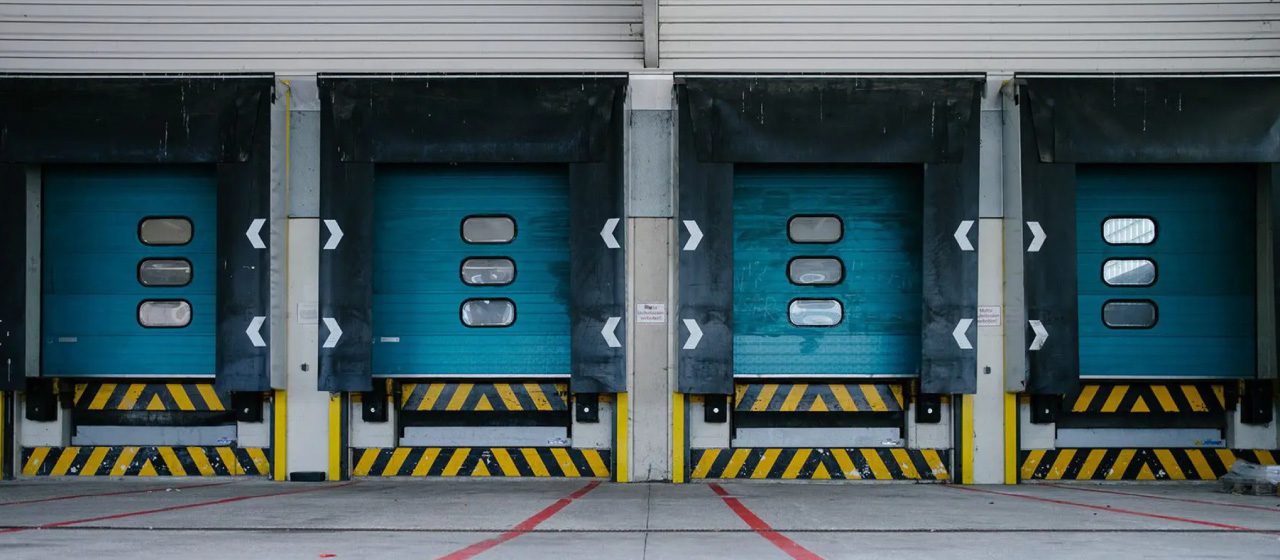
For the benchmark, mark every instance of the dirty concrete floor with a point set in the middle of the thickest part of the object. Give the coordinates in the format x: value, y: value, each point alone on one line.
x: 559, y: 519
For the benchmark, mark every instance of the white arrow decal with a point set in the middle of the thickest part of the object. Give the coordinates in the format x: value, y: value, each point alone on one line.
x: 1042, y: 335
x: 695, y: 333
x: 254, y: 233
x: 695, y: 235
x: 961, y: 334
x: 1037, y: 237
x: 607, y: 332
x: 962, y: 235
x: 607, y: 233
x: 335, y: 235
x: 255, y: 331
x: 335, y: 332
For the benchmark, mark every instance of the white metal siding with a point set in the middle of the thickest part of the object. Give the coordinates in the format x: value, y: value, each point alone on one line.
x: 956, y: 35
x: 303, y: 36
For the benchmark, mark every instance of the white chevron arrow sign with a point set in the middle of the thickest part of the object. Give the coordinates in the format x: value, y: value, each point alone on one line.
x: 609, y: 332
x: 335, y: 332
x: 961, y: 334
x: 1042, y: 334
x: 695, y: 235
x: 695, y: 334
x: 335, y: 235
x: 255, y: 331
x: 962, y: 235
x: 606, y: 233
x: 1037, y: 237
x: 254, y: 233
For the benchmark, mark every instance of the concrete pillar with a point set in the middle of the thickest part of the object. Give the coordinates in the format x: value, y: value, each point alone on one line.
x: 647, y: 438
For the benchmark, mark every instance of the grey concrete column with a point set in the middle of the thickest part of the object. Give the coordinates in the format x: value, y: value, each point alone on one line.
x: 649, y: 277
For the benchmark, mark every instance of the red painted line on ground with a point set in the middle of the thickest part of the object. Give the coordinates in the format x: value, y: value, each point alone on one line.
x: 1104, y: 508
x: 792, y: 548
x: 521, y: 528
x: 120, y: 493
x: 232, y: 499
x: 1167, y: 498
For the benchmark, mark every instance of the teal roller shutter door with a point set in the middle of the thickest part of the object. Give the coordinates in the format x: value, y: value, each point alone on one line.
x: 1205, y: 254
x: 91, y: 253
x: 881, y: 208
x: 418, y: 252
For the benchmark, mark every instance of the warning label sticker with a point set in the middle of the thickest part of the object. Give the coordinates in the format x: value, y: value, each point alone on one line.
x: 651, y: 312
x: 988, y: 315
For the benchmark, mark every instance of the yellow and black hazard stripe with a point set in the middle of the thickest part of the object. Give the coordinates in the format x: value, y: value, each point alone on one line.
x: 145, y: 461
x: 1142, y: 398
x: 484, y: 397
x: 153, y: 397
x: 820, y: 463
x: 818, y: 397
x: 482, y: 461
x: 1136, y: 463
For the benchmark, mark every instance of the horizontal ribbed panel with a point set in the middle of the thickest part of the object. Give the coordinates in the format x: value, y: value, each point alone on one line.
x: 291, y: 37
x: 943, y: 35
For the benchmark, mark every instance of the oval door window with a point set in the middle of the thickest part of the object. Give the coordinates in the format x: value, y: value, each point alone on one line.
x: 164, y: 272
x: 1129, y: 231
x: 494, y: 271
x: 1129, y: 272
x: 167, y: 314
x: 815, y: 312
x: 1129, y: 314
x: 488, y: 312
x: 815, y: 229
x: 488, y: 229
x: 815, y: 271
x: 174, y: 230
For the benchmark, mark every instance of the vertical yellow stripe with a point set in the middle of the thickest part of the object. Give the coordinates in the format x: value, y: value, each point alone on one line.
x: 896, y: 390
x: 64, y: 460
x: 736, y: 461
x: 1091, y: 462
x: 1226, y: 456
x: 505, y: 463
x: 460, y: 395
x: 620, y: 435
x: 280, y: 427
x: 796, y: 393
x: 1169, y: 464
x: 79, y: 394
x: 1121, y: 465
x: 598, y: 468
x: 433, y: 394
x: 36, y: 459
x: 1085, y: 399
x: 934, y: 461
x: 1060, y: 465
x: 131, y: 396
x: 103, y: 395
x: 678, y: 445
x: 878, y: 469
x: 1112, y: 403
x: 94, y: 462
x: 1203, y: 470
x: 429, y: 456
x: 703, y: 468
x: 762, y: 399
x: 1165, y: 398
x: 364, y: 464
x: 335, y: 436
x: 565, y: 462
x: 455, y: 466
x: 1264, y: 457
x: 540, y: 400
x: 847, y: 467
x: 767, y: 459
x: 739, y: 391
x: 171, y: 460
x: 1033, y: 461
x: 535, y: 462
x: 397, y: 460
x: 201, y: 461
x: 210, y: 396
x: 125, y: 460
x: 797, y: 462
x: 1193, y: 398
x: 229, y: 460
x: 841, y: 392
x: 179, y: 394
x: 966, y: 439
x: 1010, y: 438
x: 904, y: 463
x: 873, y: 397
x: 509, y: 399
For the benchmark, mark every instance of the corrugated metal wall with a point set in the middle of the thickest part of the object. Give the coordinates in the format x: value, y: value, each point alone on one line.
x: 303, y: 36
x: 954, y: 35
